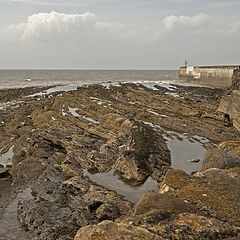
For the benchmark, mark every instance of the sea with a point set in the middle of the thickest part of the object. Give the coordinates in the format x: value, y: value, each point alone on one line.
x: 74, y: 78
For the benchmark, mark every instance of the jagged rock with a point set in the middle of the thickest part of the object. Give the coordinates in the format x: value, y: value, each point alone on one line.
x: 146, y: 154
x: 215, y: 191
x: 215, y: 158
x: 61, y: 206
x: 157, y: 201
x: 48, y: 220
x: 107, y: 211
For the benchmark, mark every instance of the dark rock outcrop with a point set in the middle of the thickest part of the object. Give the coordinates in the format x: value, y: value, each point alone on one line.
x: 146, y: 154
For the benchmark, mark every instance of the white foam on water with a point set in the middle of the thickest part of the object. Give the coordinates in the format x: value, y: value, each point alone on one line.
x: 107, y: 85
x: 151, y: 84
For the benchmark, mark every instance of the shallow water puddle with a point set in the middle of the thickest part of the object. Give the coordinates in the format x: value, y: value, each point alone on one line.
x: 73, y: 111
x: 9, y: 226
x: 111, y: 181
x: 4, y: 158
x: 187, y: 154
x: 75, y: 114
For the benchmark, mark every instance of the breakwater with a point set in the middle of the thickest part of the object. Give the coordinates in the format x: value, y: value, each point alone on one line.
x: 217, y: 76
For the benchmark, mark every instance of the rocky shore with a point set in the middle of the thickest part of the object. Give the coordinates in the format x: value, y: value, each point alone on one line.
x: 55, y: 148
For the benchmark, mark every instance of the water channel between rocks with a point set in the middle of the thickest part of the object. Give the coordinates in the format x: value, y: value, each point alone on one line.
x: 9, y: 226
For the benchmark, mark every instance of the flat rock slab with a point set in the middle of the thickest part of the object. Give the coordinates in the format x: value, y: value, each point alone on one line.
x: 152, y: 201
x: 214, y: 191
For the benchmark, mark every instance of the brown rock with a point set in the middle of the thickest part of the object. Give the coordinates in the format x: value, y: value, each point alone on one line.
x: 108, y: 230
x: 215, y: 158
x: 152, y: 201
x: 231, y: 147
x: 216, y: 191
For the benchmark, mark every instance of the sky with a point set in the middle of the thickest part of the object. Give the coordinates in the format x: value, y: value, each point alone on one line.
x: 118, y: 34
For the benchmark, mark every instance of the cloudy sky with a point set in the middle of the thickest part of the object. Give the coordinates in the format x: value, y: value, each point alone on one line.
x: 118, y: 34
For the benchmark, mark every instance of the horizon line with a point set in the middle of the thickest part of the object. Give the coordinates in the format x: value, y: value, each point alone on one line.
x: 93, y: 69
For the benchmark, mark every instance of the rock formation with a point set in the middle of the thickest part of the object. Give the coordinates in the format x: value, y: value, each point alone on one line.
x: 56, y: 138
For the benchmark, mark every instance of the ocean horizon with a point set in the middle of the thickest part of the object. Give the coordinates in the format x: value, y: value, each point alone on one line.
x: 12, y: 78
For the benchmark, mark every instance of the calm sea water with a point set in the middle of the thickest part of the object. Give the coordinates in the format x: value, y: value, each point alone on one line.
x: 25, y: 78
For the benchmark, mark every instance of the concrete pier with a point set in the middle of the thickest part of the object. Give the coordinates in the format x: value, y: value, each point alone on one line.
x: 217, y: 76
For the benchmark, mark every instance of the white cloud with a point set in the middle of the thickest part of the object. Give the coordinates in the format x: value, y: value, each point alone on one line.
x: 186, y: 22
x: 47, y: 25
x: 54, y: 26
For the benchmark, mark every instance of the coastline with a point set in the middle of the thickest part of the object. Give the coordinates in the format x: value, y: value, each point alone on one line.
x: 125, y: 127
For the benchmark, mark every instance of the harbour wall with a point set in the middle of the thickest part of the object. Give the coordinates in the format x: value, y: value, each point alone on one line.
x: 217, y: 76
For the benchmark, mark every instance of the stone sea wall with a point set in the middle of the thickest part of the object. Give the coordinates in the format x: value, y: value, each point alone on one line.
x: 230, y: 102
x: 217, y: 76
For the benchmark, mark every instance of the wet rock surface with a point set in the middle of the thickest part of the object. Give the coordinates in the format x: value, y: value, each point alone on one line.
x: 55, y: 138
